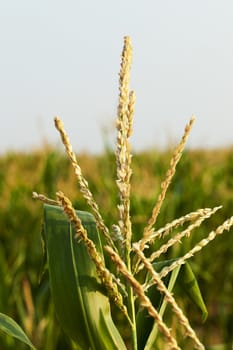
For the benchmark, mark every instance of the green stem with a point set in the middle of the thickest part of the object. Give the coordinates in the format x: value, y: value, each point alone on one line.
x: 131, y: 305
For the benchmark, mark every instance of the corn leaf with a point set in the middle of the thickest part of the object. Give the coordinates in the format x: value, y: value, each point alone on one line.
x: 9, y: 326
x: 81, y: 305
x: 151, y: 342
x: 185, y: 278
x: 146, y: 328
x: 189, y: 284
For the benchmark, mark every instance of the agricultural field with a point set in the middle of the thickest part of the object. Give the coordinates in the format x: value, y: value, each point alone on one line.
x: 203, y: 179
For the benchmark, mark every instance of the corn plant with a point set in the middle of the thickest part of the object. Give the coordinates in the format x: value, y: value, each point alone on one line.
x: 10, y: 327
x: 139, y: 282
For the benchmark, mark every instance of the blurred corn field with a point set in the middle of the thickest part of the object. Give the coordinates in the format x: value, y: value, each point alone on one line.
x: 203, y: 179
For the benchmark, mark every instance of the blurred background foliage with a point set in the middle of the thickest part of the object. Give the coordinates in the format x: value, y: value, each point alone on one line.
x: 203, y: 179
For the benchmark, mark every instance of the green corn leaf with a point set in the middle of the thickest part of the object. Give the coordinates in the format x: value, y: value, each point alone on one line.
x: 185, y: 278
x: 150, y: 344
x: 146, y: 328
x: 81, y: 306
x: 9, y: 326
x: 189, y: 284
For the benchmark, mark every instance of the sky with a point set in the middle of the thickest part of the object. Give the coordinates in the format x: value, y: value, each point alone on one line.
x: 63, y: 57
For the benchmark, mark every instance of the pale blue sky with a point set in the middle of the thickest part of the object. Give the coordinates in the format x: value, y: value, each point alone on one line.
x: 62, y: 58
